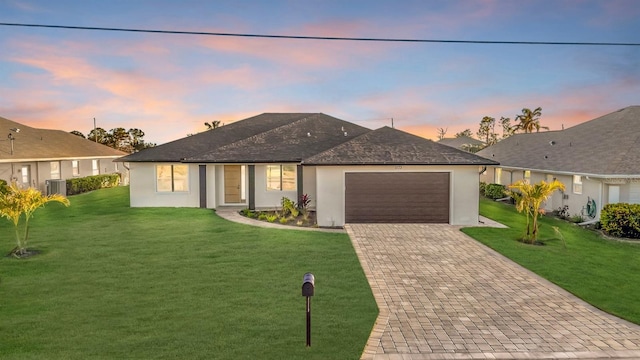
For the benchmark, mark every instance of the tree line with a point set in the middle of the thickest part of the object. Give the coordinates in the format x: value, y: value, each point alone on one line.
x: 526, y: 122
x: 128, y: 141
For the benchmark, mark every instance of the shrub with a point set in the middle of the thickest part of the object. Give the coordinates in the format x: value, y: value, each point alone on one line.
x: 483, y: 187
x: 495, y: 191
x: 248, y: 213
x: 283, y: 220
x: 272, y: 218
x: 621, y: 220
x: 90, y: 183
x: 577, y: 218
x: 262, y: 217
x: 3, y: 187
x: 563, y: 212
x: 289, y: 208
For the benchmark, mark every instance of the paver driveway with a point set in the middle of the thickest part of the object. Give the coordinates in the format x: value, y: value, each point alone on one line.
x: 442, y: 295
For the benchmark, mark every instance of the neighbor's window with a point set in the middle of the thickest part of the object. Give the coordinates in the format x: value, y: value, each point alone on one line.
x: 281, y: 177
x: 76, y: 168
x: 577, y: 184
x: 527, y: 176
x: 172, y: 178
x: 55, y: 170
x: 498, y: 176
x: 95, y: 170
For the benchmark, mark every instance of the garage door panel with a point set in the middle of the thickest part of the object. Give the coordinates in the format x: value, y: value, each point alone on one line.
x: 397, y: 197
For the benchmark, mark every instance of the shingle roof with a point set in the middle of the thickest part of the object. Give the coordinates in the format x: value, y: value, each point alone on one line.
x: 391, y: 146
x: 204, y: 142
x: 459, y: 142
x: 43, y: 144
x: 291, y: 142
x: 608, y: 145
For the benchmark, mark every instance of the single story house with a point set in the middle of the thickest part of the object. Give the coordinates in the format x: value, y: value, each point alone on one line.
x: 598, y: 161
x: 37, y: 157
x: 351, y: 173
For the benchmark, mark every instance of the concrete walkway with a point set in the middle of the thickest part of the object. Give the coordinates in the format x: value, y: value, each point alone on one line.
x: 442, y: 295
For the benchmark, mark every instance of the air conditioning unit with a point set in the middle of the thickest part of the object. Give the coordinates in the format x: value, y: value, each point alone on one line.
x: 56, y: 187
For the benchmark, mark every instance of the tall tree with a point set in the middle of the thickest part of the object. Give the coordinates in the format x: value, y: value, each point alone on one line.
x: 442, y: 132
x: 99, y: 135
x: 507, y: 129
x: 529, y: 199
x: 529, y: 120
x: 78, y: 133
x: 487, y: 132
x: 119, y: 139
x: 466, y: 132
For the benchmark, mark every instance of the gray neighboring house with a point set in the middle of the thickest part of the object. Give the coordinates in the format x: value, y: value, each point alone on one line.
x: 352, y: 174
x: 462, y: 142
x: 598, y: 161
x: 33, y: 157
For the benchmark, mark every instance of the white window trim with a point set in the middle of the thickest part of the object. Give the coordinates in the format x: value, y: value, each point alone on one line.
x: 75, y: 168
x: 577, y: 184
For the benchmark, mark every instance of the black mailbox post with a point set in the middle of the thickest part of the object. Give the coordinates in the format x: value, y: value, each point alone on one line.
x: 308, y: 288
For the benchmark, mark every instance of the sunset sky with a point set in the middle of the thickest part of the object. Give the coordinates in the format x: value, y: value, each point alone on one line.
x: 169, y: 85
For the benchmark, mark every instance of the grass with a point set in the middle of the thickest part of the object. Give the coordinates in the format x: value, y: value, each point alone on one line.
x: 603, y: 272
x: 167, y: 283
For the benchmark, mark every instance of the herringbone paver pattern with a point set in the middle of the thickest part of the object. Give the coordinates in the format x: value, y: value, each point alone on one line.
x: 442, y: 295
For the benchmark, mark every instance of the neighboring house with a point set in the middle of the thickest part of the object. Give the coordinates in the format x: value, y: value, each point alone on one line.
x: 351, y: 173
x: 33, y: 156
x: 598, y: 161
x: 462, y: 142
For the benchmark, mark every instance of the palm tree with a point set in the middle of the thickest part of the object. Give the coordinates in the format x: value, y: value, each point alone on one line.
x: 529, y: 199
x: 15, y: 202
x: 529, y: 120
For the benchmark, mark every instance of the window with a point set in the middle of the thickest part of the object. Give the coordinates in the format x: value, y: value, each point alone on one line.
x: 55, y: 170
x: 172, y: 178
x: 498, y: 176
x: 281, y: 178
x: 527, y: 176
x: 95, y: 170
x: 76, y: 168
x: 577, y: 184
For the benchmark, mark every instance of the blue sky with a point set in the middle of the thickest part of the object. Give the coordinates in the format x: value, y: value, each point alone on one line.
x: 169, y: 85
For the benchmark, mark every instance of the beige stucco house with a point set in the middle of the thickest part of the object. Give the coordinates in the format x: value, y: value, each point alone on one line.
x: 351, y: 173
x: 598, y: 161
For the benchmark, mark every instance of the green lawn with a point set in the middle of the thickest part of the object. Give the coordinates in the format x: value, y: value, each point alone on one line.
x: 159, y: 283
x: 605, y: 273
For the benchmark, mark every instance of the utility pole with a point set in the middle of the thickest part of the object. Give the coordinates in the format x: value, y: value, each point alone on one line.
x: 95, y: 134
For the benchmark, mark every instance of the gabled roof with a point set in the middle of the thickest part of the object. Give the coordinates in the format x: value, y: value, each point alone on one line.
x: 608, y: 145
x: 391, y: 146
x: 201, y: 144
x: 459, y: 142
x: 43, y: 145
x: 291, y: 142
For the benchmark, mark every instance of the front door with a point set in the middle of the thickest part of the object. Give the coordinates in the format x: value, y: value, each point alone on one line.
x: 232, y: 183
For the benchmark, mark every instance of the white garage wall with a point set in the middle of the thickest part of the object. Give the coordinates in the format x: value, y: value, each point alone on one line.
x: 143, y: 188
x: 464, y: 191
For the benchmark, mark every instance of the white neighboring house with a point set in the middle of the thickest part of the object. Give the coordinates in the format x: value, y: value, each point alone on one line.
x: 598, y: 161
x: 32, y: 156
x: 352, y: 174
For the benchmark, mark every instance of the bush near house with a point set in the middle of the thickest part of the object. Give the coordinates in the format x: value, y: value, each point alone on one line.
x: 495, y: 191
x: 621, y: 220
x: 3, y: 186
x: 90, y: 183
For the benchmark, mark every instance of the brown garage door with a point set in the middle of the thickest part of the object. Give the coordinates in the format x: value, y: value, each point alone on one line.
x: 397, y: 197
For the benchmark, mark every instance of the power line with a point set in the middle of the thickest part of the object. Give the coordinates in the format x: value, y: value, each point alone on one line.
x: 299, y: 37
